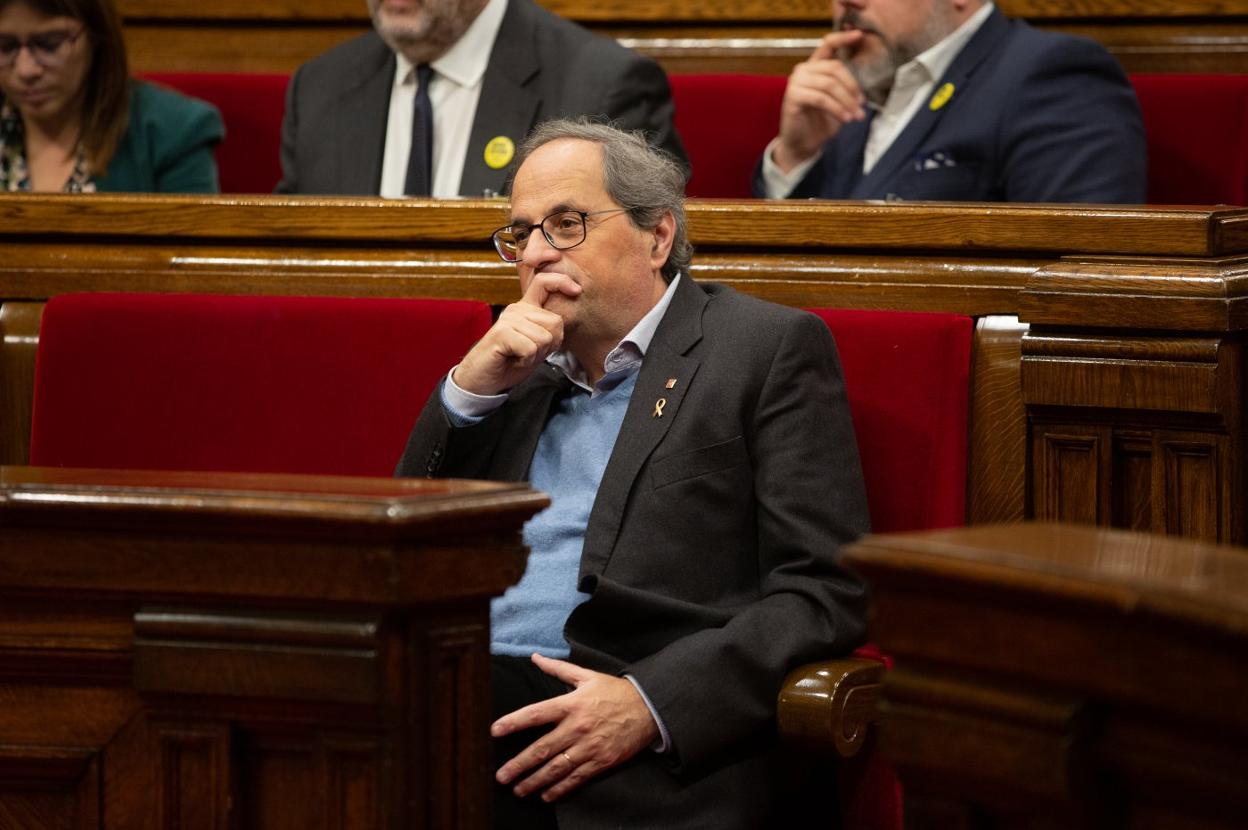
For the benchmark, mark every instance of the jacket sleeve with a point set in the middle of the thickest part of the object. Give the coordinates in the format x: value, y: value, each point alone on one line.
x: 1073, y: 133
x: 187, y: 163
x: 289, y: 183
x: 437, y: 449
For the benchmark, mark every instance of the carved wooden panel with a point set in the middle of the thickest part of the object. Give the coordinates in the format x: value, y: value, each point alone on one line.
x: 1163, y: 415
x: 49, y: 787
x: 1068, y: 473
x: 355, y: 784
x: 195, y: 790
x: 457, y: 684
x: 1192, y: 477
x: 1133, y: 496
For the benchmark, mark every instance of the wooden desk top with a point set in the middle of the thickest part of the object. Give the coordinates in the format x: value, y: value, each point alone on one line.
x: 288, y: 537
x: 403, y: 506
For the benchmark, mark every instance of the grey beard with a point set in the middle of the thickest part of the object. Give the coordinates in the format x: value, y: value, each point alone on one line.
x: 876, y: 78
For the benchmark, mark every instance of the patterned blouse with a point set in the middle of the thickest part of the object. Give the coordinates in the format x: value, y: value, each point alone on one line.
x: 14, y: 175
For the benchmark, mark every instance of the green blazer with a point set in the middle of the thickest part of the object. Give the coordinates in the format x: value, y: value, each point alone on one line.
x: 168, y: 147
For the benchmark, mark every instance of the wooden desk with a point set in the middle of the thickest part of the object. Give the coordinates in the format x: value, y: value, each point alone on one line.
x: 216, y: 650
x: 1057, y: 676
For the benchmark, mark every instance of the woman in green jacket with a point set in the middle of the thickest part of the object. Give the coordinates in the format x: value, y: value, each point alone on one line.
x: 72, y: 120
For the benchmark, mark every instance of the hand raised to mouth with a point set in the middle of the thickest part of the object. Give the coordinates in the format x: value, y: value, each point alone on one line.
x: 822, y: 96
x: 525, y: 333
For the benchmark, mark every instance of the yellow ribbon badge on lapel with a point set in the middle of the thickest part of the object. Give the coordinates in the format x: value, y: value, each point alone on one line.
x: 499, y: 152
x: 941, y: 97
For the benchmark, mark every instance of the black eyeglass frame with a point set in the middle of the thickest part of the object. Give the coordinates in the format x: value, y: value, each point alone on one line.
x: 583, y: 214
x: 38, y: 51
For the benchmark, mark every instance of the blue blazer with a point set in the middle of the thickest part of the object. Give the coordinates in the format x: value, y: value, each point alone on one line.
x: 1034, y: 117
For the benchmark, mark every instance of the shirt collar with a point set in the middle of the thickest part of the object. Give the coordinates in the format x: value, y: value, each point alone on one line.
x: 938, y: 58
x: 627, y: 354
x: 466, y: 61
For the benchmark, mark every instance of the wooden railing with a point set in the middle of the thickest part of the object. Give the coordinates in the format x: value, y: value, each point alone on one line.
x: 705, y: 36
x: 1121, y: 406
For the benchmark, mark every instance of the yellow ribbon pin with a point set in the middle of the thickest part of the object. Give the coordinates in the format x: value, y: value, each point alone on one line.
x: 499, y: 152
x: 941, y: 97
x: 658, y: 407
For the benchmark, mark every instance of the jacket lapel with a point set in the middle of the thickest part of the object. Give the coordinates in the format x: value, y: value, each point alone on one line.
x: 904, y: 148
x: 364, y: 109
x: 508, y: 105
x: 642, y: 429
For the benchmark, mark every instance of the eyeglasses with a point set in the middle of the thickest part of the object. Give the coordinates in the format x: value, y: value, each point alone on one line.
x: 47, y: 48
x: 563, y: 229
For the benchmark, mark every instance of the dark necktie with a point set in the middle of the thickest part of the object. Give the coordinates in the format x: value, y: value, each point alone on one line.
x: 420, y: 162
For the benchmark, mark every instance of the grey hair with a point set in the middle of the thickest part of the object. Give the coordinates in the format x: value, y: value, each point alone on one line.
x: 648, y: 181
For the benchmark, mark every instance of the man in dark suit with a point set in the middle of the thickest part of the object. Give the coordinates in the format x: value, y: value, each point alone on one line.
x: 950, y: 100
x: 701, y: 462
x: 483, y: 71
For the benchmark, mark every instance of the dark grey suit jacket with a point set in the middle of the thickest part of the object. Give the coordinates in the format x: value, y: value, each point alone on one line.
x: 1034, y: 117
x: 711, y: 555
x: 541, y: 67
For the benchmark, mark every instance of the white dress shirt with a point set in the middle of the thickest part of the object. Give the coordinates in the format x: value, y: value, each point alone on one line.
x: 913, y: 85
x: 454, y: 89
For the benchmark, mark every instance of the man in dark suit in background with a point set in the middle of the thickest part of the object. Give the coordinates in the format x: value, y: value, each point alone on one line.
x: 950, y: 100
x: 700, y: 458
x: 484, y: 72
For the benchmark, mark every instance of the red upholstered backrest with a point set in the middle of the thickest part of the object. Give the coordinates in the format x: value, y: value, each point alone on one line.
x: 907, y: 375
x: 258, y: 384
x: 248, y: 160
x: 725, y: 122
x: 1197, y: 129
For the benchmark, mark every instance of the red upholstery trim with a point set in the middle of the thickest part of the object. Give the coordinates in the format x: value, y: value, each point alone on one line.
x: 252, y: 105
x: 725, y: 122
x: 1197, y: 129
x: 263, y: 384
x: 907, y: 376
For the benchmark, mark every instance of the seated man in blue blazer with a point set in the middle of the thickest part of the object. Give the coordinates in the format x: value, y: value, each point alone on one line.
x: 950, y: 100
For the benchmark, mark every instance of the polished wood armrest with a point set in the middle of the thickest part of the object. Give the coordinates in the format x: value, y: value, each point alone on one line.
x: 828, y: 706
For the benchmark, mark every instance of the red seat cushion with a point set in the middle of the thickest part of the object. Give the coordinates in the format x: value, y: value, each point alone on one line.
x: 725, y: 122
x: 907, y: 375
x: 259, y: 384
x: 1197, y: 129
x: 252, y: 105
